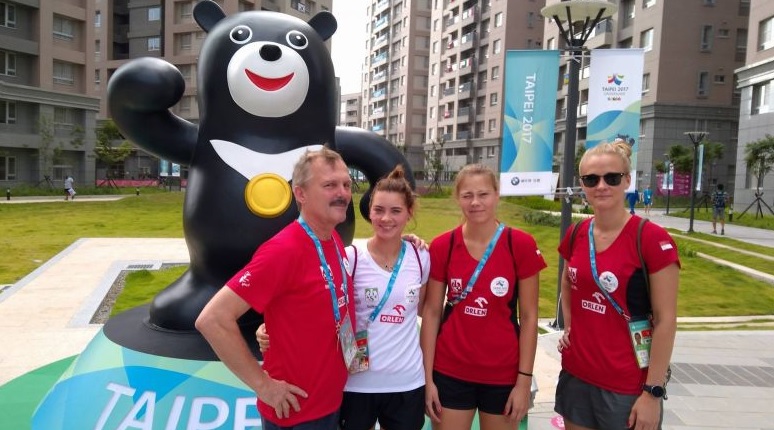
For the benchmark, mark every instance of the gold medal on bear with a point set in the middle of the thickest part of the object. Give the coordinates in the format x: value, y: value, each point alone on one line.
x: 268, y: 195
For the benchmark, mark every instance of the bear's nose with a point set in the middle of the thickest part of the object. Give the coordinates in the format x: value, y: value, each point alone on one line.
x: 270, y: 52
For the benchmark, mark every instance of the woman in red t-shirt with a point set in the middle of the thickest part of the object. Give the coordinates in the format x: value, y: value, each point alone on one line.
x: 612, y: 312
x: 478, y: 355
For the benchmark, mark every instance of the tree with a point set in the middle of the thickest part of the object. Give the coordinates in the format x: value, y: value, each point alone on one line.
x: 106, y: 153
x: 713, y: 151
x: 435, y: 165
x: 681, y: 157
x: 579, y: 151
x: 759, y: 158
x: 46, y: 149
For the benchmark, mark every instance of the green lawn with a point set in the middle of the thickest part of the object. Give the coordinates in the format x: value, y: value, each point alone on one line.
x: 33, y: 233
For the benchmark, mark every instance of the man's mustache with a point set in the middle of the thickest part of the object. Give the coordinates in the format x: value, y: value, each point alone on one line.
x: 340, y: 202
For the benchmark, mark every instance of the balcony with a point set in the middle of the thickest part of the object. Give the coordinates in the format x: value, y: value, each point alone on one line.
x: 463, y: 114
x: 463, y: 135
x: 378, y: 112
x: 378, y: 59
x: 468, y: 15
x: 467, y: 40
x: 448, y: 114
x: 382, y: 5
x: 381, y: 23
x: 381, y: 40
x: 379, y: 76
x: 379, y: 93
x: 466, y: 66
x: 450, y: 22
x: 448, y: 92
x: 378, y: 127
x: 464, y: 90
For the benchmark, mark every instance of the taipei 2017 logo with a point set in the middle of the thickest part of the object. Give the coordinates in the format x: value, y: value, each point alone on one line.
x: 615, y: 78
x: 614, y: 90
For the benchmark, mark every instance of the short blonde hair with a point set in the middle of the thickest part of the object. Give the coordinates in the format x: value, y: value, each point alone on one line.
x: 301, y: 171
x: 619, y: 148
x: 472, y: 170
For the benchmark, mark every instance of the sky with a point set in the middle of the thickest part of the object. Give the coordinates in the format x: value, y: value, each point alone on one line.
x: 348, y: 44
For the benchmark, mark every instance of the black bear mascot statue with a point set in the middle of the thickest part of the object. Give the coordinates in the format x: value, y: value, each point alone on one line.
x: 267, y: 93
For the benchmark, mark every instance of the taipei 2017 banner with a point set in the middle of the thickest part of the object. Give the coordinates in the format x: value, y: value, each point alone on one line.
x: 615, y: 95
x: 528, y: 122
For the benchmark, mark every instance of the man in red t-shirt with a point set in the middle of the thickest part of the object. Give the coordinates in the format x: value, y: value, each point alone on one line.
x: 303, y: 376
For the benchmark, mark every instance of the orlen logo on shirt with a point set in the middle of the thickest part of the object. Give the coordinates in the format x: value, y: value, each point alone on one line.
x: 593, y: 307
x: 479, y: 311
x: 394, y: 319
x: 244, y: 280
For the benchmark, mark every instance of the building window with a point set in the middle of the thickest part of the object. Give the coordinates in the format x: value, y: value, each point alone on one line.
x: 98, y: 19
x: 492, y: 124
x: 7, y: 15
x: 706, y: 38
x: 766, y: 34
x: 154, y: 13
x: 645, y: 82
x: 432, y: 111
x: 154, y: 43
x: 63, y: 28
x: 702, y: 87
x: 497, y: 46
x: 63, y: 73
x: 648, y: 3
x: 495, y: 72
x: 185, y: 42
x: 185, y: 104
x: 493, y: 99
x: 724, y: 33
x: 646, y: 40
x: 720, y: 79
x: 184, y: 10
x: 490, y: 151
x: 432, y: 90
x: 97, y: 77
x: 7, y: 63
x: 63, y: 117
x: 760, y: 98
x: 709, y: 2
x: 7, y: 112
x: 498, y: 19
x: 7, y: 168
x: 551, y: 45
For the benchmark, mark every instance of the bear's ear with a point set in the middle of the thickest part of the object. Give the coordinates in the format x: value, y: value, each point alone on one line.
x: 207, y: 13
x: 324, y: 23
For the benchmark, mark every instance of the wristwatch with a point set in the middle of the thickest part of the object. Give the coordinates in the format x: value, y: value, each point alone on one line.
x: 656, y: 391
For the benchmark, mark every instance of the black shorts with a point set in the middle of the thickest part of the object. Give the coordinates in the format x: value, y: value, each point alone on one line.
x: 463, y: 395
x: 590, y: 406
x: 394, y: 411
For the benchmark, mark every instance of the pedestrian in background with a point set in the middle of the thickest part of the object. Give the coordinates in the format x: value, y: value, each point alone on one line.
x: 69, y: 191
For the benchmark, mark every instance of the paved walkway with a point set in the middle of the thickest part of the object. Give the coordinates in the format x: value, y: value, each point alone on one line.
x: 722, y: 379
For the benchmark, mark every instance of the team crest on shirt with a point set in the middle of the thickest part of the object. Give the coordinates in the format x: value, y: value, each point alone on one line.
x: 371, y: 297
x: 609, y: 281
x: 412, y: 293
x: 499, y: 286
x: 456, y: 285
x: 395, y: 316
x: 244, y: 280
x: 572, y: 272
x: 479, y: 310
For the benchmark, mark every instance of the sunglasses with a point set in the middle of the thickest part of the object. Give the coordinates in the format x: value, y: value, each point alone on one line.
x: 612, y: 179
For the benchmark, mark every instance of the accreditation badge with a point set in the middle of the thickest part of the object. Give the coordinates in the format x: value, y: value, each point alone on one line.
x: 361, y: 360
x: 641, y: 333
x: 347, y: 341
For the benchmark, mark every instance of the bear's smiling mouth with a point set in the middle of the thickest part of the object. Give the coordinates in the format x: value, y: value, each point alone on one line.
x: 268, y: 84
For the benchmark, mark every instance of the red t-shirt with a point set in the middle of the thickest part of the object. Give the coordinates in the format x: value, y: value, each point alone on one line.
x: 601, y: 351
x: 284, y: 281
x: 479, y: 341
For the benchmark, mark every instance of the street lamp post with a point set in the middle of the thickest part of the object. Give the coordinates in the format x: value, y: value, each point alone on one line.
x: 669, y: 179
x: 696, y: 138
x: 576, y: 20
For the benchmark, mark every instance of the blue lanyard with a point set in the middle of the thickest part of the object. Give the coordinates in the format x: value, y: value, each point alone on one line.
x: 390, y: 283
x: 593, y: 258
x: 327, y: 270
x: 480, y: 266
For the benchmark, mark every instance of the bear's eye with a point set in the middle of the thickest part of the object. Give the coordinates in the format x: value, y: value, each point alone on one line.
x: 241, y: 34
x: 297, y: 40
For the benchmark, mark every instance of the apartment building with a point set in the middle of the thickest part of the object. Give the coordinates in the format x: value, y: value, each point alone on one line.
x: 349, y: 110
x: 756, y: 116
x: 467, y: 58
x: 395, y: 74
x: 48, y: 106
x: 165, y: 29
x: 691, y: 51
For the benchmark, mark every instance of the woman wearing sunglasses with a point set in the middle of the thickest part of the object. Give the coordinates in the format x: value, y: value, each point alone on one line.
x: 608, y: 379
